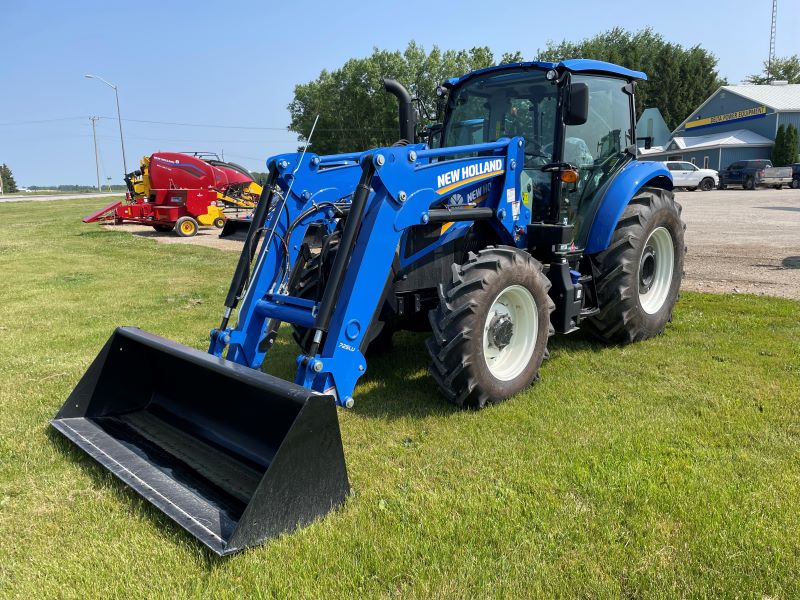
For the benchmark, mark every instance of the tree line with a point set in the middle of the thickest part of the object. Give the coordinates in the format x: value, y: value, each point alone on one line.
x: 355, y: 112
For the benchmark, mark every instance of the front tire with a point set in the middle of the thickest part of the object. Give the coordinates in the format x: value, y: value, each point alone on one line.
x: 491, y: 327
x: 707, y: 184
x: 639, y: 274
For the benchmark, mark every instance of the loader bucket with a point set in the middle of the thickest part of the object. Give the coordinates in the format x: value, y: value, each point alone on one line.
x: 232, y: 455
x: 235, y: 229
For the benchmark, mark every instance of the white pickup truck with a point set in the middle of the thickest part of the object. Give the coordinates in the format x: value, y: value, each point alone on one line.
x: 690, y: 176
x: 755, y: 173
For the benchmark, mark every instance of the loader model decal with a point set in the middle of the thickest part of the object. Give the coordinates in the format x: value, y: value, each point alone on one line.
x: 468, y: 174
x: 471, y: 198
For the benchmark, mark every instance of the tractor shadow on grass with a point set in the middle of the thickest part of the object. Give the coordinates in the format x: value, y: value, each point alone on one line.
x: 397, y: 383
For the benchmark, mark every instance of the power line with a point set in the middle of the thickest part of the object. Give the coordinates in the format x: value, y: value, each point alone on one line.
x: 255, y: 127
x: 203, y: 125
x: 42, y: 121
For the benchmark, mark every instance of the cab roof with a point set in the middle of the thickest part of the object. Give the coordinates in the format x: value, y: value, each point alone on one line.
x: 575, y: 65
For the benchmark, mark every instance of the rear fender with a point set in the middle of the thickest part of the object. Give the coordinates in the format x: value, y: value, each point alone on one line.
x: 633, y: 177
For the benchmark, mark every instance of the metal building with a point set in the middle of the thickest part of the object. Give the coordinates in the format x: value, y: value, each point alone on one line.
x: 737, y: 122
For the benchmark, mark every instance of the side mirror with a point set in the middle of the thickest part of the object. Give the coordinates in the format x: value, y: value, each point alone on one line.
x: 433, y: 133
x: 577, y: 110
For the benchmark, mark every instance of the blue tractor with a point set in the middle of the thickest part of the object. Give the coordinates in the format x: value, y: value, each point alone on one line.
x: 524, y: 213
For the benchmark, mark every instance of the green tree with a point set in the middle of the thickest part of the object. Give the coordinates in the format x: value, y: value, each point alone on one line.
x: 778, y: 155
x: 784, y: 151
x: 679, y: 78
x: 786, y: 68
x: 354, y: 110
x: 792, y: 143
x: 9, y: 185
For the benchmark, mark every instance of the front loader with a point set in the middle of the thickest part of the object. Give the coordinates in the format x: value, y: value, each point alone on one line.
x: 525, y: 213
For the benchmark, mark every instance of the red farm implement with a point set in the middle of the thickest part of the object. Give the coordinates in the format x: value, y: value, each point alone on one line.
x: 181, y: 192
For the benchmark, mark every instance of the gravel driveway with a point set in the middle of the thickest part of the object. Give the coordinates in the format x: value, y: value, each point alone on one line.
x: 743, y: 241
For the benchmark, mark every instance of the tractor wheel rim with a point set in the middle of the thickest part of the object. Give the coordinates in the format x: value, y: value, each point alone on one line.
x: 656, y: 266
x: 510, y: 332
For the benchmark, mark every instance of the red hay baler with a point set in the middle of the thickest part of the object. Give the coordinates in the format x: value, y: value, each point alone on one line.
x: 179, y: 191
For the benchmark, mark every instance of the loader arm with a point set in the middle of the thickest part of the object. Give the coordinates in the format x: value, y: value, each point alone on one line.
x: 380, y: 212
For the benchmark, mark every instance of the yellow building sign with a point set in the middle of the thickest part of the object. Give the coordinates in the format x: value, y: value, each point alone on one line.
x: 739, y: 115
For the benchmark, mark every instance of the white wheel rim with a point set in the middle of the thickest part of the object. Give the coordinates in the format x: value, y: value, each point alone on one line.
x: 507, y: 357
x: 655, y: 270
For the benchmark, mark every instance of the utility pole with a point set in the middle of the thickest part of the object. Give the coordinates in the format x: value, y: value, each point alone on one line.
x: 96, y: 155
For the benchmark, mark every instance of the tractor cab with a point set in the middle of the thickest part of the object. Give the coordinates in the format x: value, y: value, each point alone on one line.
x: 577, y: 120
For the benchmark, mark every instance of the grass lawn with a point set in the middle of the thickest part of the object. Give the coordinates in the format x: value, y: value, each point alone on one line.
x: 669, y: 468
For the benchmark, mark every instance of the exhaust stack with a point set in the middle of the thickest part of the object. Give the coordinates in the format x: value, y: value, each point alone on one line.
x: 407, y: 119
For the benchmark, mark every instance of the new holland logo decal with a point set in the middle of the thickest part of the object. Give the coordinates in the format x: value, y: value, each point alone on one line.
x: 468, y: 174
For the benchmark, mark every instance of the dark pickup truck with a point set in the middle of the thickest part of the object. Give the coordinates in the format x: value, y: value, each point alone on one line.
x: 755, y: 173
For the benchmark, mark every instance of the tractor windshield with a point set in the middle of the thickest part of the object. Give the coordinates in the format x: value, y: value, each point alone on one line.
x: 504, y: 104
x: 519, y: 102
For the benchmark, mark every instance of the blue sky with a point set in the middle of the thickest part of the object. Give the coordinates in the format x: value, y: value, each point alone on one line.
x: 236, y: 63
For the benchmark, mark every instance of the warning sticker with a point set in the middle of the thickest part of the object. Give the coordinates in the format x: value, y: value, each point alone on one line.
x: 511, y: 198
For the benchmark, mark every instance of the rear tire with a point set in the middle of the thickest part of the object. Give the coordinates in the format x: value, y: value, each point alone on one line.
x: 491, y: 327
x: 639, y: 274
x: 186, y: 227
x: 795, y: 184
x: 749, y: 184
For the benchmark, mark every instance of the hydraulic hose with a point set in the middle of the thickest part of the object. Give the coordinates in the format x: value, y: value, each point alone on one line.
x: 250, y: 245
x: 352, y: 225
